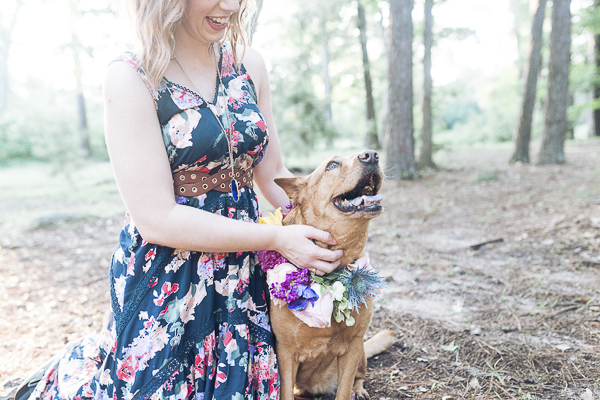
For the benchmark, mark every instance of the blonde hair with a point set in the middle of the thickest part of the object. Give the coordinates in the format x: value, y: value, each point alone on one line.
x: 155, y: 22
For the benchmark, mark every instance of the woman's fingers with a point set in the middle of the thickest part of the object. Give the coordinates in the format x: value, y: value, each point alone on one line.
x: 322, y: 236
x: 322, y: 267
x: 297, y: 246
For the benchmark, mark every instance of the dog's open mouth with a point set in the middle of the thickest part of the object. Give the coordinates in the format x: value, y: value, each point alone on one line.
x: 363, y: 197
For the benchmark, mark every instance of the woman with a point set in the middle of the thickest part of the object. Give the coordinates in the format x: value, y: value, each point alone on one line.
x: 189, y: 314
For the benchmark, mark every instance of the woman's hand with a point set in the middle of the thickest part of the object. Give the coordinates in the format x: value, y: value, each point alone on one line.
x: 295, y: 242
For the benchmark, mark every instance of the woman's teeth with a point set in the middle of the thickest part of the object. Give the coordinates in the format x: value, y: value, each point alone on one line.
x: 218, y: 21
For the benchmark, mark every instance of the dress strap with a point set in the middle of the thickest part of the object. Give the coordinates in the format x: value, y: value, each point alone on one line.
x: 228, y: 66
x: 130, y: 58
x: 229, y: 69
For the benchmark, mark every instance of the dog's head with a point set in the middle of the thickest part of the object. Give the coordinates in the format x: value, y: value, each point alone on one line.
x: 341, y: 196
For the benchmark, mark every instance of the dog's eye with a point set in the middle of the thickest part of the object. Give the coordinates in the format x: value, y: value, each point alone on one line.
x: 332, y: 165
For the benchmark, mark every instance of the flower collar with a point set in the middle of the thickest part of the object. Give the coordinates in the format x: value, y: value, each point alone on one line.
x: 315, y: 299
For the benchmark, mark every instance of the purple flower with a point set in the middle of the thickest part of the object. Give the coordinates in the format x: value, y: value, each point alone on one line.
x: 295, y: 290
x: 298, y: 304
x: 269, y: 259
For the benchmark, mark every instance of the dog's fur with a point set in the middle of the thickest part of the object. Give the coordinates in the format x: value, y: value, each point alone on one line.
x: 316, y: 360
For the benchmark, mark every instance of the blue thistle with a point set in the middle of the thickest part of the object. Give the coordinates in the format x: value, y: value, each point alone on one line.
x: 362, y: 284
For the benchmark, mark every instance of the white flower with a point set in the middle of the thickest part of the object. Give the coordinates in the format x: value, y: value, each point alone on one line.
x: 337, y: 290
x: 278, y: 273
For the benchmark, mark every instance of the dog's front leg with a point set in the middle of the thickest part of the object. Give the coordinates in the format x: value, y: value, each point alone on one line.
x: 288, y: 368
x: 361, y: 372
x: 347, y: 366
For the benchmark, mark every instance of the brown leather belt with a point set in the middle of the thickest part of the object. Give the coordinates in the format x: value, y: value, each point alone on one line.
x: 194, y: 183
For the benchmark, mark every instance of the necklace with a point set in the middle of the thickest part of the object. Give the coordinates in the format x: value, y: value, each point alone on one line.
x: 227, y: 132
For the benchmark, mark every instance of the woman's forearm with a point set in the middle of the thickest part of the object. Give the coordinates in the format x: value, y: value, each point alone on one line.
x: 189, y: 228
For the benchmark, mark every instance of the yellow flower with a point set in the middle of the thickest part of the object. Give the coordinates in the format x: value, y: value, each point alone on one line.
x: 272, y: 219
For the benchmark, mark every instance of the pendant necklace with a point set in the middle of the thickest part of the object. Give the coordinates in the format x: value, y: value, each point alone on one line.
x: 227, y: 132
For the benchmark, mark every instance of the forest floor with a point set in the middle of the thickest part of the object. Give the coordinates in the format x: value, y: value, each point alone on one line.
x: 516, y: 318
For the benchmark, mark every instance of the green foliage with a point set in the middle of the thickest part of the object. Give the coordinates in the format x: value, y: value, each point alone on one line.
x: 36, y: 134
x: 302, y: 122
x: 299, y: 97
x: 459, y: 109
x: 486, y: 176
x: 455, y: 33
x: 478, y: 107
x: 47, y: 130
x: 472, y: 111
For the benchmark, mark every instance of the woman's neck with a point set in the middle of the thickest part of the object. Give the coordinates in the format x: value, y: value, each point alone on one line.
x: 192, y: 52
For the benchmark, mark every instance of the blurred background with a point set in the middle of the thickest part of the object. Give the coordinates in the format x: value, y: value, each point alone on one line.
x: 54, y: 53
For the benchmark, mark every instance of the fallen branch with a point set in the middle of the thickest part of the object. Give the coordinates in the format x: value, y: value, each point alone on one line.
x: 480, y: 245
x: 563, y: 310
x: 590, y: 263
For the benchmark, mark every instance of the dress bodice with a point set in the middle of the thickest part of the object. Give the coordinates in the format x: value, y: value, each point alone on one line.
x: 194, y: 140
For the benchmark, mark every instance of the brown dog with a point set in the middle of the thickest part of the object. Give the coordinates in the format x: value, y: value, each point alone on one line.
x: 338, y: 198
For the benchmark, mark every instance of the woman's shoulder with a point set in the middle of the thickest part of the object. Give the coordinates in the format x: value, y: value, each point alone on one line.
x: 256, y: 68
x: 126, y: 74
x: 254, y: 62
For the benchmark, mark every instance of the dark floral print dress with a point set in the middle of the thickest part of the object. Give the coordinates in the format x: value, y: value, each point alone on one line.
x: 184, y: 324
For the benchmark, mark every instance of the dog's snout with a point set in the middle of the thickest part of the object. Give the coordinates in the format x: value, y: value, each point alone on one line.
x: 369, y: 157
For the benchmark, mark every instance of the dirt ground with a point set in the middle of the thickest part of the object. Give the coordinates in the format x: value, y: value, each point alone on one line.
x: 516, y: 318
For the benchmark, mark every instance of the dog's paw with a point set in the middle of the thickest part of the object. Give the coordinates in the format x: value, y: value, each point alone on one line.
x: 360, y: 394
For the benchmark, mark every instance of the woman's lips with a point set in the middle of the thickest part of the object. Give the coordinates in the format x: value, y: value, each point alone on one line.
x: 218, y: 24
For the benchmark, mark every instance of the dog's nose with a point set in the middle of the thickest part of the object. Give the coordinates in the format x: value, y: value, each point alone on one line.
x: 369, y: 157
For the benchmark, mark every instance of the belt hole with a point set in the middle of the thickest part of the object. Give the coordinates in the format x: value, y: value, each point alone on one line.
x: 214, y: 180
x: 222, y: 186
x: 231, y: 174
x: 182, y: 190
x: 194, y: 189
x: 205, y: 186
x: 237, y: 174
x: 203, y: 178
x: 193, y: 176
x: 244, y: 179
x: 222, y: 176
x: 181, y: 178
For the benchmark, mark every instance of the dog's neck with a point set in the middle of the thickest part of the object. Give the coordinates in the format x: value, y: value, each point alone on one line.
x: 350, y: 234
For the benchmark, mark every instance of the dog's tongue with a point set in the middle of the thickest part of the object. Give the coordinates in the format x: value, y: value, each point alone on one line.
x: 367, y: 199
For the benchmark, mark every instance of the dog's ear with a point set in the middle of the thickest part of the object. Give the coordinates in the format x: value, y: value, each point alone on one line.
x: 292, y: 187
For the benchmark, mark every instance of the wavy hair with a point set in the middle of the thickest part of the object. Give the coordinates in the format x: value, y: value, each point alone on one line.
x: 155, y: 22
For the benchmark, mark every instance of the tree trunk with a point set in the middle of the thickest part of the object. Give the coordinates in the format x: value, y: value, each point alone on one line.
x: 515, y: 6
x: 523, y: 136
x: 426, y: 155
x: 326, y: 81
x: 6, y: 40
x: 597, y: 85
x: 384, y: 95
x: 552, y: 151
x: 82, y: 127
x: 399, y: 130
x: 371, y: 140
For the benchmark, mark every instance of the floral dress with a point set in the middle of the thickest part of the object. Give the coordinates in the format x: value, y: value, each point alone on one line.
x: 184, y: 324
